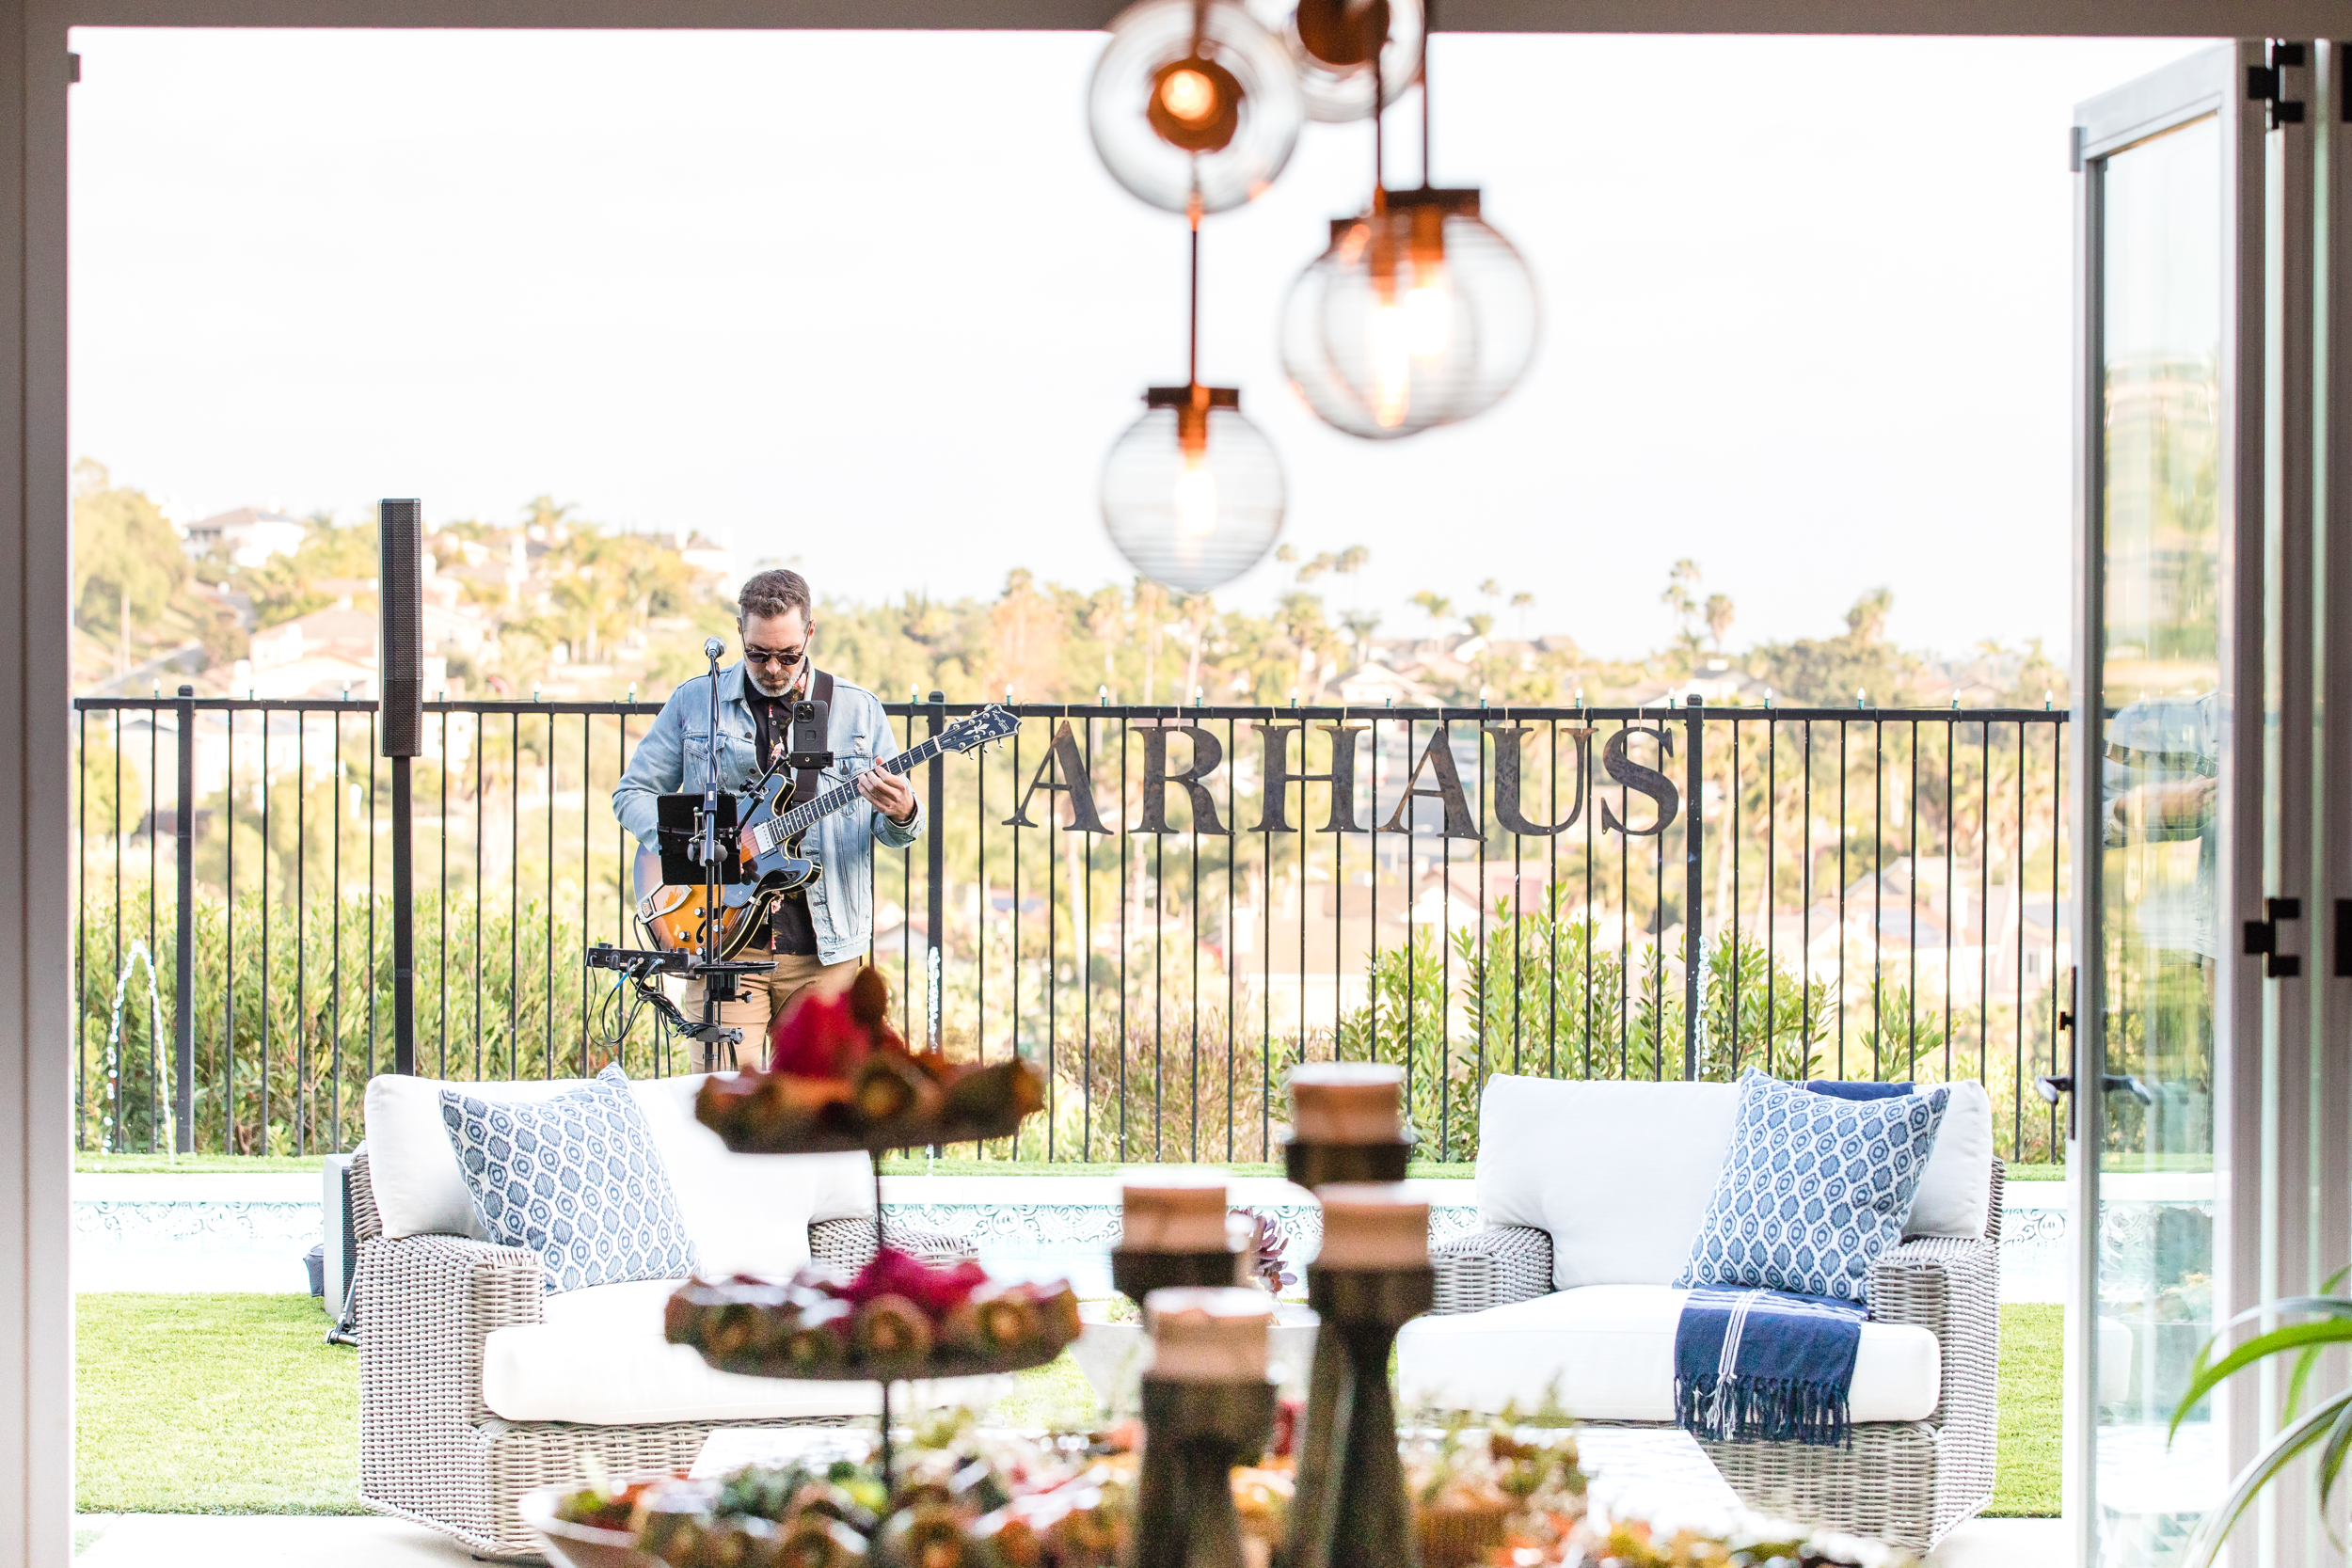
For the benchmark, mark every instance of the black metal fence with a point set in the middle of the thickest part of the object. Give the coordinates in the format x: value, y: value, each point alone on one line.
x: 1164, y: 908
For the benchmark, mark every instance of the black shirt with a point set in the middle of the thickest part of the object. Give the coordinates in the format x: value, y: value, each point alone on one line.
x: 793, y: 933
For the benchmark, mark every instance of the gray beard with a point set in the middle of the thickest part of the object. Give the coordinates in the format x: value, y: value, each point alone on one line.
x: 761, y: 686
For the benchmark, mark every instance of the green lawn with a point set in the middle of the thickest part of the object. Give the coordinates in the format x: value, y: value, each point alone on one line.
x: 196, y: 1164
x: 2027, y: 1483
x: 213, y: 1405
x: 235, y: 1404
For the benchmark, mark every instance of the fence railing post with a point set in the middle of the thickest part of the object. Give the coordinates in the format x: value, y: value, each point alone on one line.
x: 1694, y: 880
x: 184, y: 932
x: 935, y: 886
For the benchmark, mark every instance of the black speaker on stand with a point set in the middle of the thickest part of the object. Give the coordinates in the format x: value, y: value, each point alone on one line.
x: 400, y: 671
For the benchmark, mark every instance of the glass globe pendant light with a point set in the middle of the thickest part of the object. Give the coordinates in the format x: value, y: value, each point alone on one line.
x: 1193, y: 493
x: 1194, y: 106
x: 1350, y: 53
x: 1419, y: 314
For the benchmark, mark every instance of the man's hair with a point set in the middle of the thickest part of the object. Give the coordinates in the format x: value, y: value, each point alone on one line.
x: 772, y: 594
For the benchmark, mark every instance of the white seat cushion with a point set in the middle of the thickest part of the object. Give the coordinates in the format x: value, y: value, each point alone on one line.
x: 1606, y: 1353
x: 600, y: 1358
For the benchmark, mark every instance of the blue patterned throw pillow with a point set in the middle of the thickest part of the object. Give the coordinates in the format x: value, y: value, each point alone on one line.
x: 1813, y: 1189
x: 575, y: 1179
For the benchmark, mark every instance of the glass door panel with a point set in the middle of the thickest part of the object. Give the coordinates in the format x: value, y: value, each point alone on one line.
x: 2168, y: 785
x: 2159, y: 913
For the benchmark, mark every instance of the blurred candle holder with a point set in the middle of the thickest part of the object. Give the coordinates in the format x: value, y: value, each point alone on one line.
x: 1350, y: 1510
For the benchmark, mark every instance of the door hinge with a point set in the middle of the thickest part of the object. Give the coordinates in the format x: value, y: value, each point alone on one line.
x: 73, y: 67
x: 2261, y: 937
x: 2266, y: 84
x: 2074, y: 149
x: 2344, y: 938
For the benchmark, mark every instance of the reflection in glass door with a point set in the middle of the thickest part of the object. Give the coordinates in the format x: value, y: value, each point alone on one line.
x: 2159, y: 911
x: 2159, y: 564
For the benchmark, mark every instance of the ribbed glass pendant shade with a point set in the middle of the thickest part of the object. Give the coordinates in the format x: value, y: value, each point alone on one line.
x: 1193, y: 493
x: 1419, y: 314
x: 1194, y: 101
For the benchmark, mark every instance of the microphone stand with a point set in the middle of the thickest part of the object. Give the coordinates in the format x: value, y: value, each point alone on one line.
x: 715, y: 981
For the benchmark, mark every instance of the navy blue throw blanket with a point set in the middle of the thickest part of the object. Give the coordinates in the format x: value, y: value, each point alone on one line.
x: 1850, y: 1088
x: 1766, y: 1366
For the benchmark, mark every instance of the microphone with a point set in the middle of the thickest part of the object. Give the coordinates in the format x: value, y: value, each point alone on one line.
x: 713, y: 648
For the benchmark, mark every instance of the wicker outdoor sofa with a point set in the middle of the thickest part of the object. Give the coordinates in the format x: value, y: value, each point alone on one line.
x: 433, y: 1449
x: 1906, y: 1481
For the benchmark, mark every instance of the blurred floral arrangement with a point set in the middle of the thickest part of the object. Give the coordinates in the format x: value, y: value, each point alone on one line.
x: 1269, y: 1250
x: 976, y: 1498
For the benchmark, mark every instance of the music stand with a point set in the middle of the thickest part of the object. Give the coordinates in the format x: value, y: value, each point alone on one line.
x: 677, y: 827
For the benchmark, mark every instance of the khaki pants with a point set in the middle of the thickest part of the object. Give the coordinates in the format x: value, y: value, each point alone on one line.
x: 761, y: 997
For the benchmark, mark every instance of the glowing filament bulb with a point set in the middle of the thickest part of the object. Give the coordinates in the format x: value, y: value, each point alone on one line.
x: 1188, y: 95
x: 1196, y: 498
x: 1390, y: 341
x: 1428, y: 311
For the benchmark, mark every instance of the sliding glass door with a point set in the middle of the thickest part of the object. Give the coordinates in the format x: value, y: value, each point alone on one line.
x: 2168, y: 780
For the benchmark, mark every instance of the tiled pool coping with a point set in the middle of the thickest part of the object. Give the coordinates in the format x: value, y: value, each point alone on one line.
x: 211, y: 1232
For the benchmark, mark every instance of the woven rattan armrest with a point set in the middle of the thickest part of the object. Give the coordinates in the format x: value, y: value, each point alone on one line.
x: 850, y: 1244
x: 432, y: 1301
x: 1949, y: 1286
x: 1493, y: 1267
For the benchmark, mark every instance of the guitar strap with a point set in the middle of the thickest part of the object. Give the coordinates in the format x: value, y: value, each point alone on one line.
x: 804, y: 781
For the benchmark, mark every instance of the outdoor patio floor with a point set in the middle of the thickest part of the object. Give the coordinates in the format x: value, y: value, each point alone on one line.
x: 267, y: 1540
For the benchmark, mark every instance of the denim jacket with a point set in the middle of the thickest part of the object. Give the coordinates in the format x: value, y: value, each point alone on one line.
x: 673, y: 758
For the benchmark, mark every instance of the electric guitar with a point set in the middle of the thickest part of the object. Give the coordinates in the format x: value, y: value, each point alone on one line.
x: 772, y: 845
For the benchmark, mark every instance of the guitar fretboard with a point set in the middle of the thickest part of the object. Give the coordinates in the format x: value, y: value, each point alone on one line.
x: 773, y: 834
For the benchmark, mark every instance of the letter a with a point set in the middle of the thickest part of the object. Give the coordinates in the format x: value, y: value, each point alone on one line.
x: 1438, y: 756
x: 1062, y: 759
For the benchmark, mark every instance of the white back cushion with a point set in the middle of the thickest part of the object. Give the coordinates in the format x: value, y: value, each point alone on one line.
x: 1955, y: 1189
x: 748, y: 1213
x: 410, y: 1164
x: 1619, y: 1173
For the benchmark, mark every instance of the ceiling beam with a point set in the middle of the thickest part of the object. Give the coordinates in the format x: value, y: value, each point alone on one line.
x: 1950, y: 18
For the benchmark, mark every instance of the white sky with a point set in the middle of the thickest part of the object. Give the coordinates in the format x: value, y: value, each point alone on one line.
x: 868, y: 300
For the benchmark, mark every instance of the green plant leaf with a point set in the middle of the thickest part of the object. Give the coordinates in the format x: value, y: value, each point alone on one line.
x: 2206, y: 1376
x: 2281, y: 1452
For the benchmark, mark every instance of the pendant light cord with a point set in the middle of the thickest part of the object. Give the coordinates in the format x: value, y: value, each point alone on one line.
x: 1192, y: 344
x: 1428, y: 36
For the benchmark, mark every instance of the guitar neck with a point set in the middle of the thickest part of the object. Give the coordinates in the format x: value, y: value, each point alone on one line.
x: 809, y: 813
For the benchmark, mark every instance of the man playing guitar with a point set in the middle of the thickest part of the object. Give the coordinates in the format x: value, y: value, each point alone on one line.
x: 816, y: 936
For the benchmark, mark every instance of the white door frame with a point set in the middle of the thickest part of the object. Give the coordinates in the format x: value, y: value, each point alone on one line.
x: 36, y: 1152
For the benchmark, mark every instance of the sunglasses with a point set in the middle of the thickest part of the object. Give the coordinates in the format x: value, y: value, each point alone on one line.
x: 787, y: 658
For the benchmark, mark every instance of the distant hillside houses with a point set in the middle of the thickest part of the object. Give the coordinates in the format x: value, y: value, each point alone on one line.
x: 247, y: 536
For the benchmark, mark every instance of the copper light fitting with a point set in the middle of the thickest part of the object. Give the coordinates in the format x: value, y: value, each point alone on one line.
x: 1344, y: 33
x: 1195, y: 103
x: 1192, y: 404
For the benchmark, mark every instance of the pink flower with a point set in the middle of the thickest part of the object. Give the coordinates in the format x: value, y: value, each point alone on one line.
x: 937, y: 1291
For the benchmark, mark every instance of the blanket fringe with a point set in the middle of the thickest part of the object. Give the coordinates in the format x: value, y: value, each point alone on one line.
x: 1763, y: 1410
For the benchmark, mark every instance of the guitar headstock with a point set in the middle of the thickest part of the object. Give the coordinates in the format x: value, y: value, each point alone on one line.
x: 993, y: 722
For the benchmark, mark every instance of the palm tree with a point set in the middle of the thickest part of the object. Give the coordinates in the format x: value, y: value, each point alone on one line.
x: 1719, y: 617
x: 1681, y: 597
x: 1522, y: 602
x: 1434, y: 605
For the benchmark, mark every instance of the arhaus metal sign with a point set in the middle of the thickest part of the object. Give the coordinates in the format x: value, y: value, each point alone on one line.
x: 1436, y: 777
